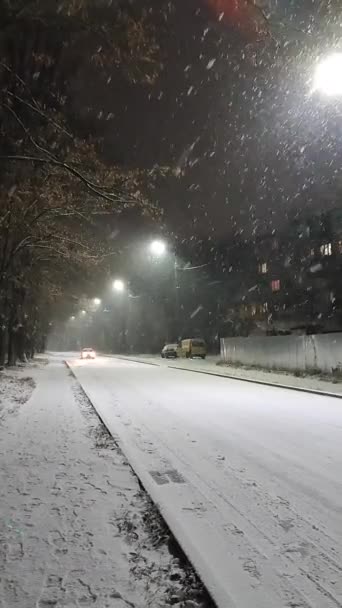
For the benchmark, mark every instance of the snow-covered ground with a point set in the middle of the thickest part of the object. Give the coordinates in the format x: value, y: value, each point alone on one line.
x: 15, y: 389
x: 210, y: 365
x: 247, y: 476
x: 76, y: 530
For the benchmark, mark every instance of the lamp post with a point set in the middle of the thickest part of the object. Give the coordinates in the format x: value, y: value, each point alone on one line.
x: 159, y: 249
x: 120, y: 286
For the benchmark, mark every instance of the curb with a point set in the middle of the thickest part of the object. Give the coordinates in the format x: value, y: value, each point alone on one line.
x: 289, y: 387
x: 68, y: 366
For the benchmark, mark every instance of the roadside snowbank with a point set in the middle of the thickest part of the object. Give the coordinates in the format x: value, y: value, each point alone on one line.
x: 15, y: 390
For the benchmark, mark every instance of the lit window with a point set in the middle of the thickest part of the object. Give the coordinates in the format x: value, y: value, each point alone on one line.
x: 275, y: 285
x: 262, y: 268
x: 339, y: 246
x: 326, y: 249
x: 253, y: 310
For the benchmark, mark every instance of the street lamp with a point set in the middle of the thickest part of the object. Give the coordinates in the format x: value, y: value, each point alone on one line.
x: 119, y: 285
x: 83, y: 312
x: 328, y: 75
x: 97, y: 301
x: 158, y: 248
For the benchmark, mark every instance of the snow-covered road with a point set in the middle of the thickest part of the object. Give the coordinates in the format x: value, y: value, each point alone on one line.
x: 247, y: 476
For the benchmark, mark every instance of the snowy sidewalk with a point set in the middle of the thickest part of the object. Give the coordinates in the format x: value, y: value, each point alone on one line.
x: 75, y: 529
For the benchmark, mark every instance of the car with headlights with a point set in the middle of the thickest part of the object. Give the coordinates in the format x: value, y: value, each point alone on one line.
x: 88, y: 353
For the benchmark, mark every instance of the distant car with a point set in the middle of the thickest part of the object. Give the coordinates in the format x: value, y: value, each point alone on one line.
x: 170, y: 351
x: 88, y: 353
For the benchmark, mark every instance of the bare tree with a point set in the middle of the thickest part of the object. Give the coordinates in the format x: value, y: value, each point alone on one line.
x: 56, y: 186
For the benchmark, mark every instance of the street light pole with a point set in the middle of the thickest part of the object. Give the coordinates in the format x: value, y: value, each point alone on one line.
x: 159, y: 249
x: 177, y: 294
x: 121, y: 288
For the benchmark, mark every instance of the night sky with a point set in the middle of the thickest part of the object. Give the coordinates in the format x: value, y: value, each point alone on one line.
x: 232, y: 114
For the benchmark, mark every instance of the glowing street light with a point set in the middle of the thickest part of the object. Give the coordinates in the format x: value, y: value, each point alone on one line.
x: 97, y: 301
x: 328, y: 75
x: 72, y: 318
x: 119, y: 285
x: 83, y: 312
x: 158, y: 248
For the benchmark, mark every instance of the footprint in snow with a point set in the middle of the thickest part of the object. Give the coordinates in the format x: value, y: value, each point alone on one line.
x: 57, y: 539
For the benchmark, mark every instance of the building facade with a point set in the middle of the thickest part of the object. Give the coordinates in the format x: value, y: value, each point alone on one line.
x: 288, y: 282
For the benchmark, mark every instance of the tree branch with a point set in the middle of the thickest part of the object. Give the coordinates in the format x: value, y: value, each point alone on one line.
x: 26, y: 130
x: 3, y: 218
x: 20, y: 80
x: 112, y: 198
x: 39, y: 111
x: 90, y: 184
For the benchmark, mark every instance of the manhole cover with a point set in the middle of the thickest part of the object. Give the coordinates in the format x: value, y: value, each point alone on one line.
x: 169, y: 476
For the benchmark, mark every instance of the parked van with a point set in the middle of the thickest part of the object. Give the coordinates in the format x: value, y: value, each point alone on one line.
x: 193, y: 347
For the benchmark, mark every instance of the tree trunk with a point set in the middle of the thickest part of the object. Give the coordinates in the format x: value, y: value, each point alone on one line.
x: 11, y: 353
x: 12, y: 346
x: 2, y: 345
x: 20, y: 343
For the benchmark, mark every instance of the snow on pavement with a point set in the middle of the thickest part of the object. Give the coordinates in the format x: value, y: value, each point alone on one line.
x: 247, y: 476
x: 75, y: 528
x: 213, y: 364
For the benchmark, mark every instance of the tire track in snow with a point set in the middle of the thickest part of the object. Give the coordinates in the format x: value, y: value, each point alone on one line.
x: 248, y: 544
x: 291, y: 543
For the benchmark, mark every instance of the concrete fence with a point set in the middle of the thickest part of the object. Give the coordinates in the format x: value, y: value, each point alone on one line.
x: 321, y: 352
